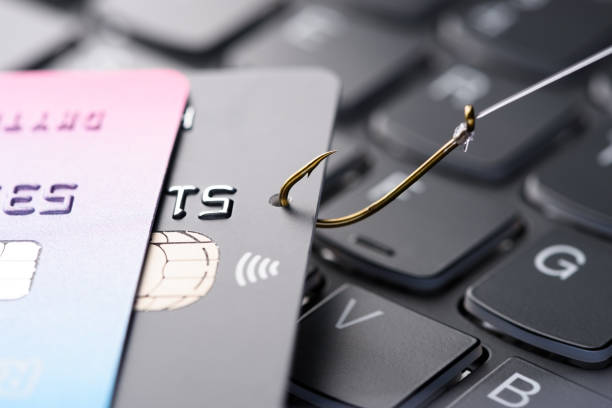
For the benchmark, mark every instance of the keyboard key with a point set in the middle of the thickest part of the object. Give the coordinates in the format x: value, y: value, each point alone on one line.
x: 554, y: 294
x: 422, y: 119
x: 33, y: 33
x: 575, y: 185
x: 108, y: 50
x: 347, y: 44
x: 190, y: 26
x: 431, y: 234
x: 539, y: 35
x: 358, y: 349
x: 517, y: 383
x: 396, y: 9
x: 600, y: 89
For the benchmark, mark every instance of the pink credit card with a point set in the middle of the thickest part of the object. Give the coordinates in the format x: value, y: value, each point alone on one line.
x: 82, y: 160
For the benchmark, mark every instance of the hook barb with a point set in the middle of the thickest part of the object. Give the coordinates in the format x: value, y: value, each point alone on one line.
x: 283, y: 195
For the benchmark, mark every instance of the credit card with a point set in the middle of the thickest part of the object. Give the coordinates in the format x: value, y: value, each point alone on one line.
x: 83, y: 159
x: 221, y: 288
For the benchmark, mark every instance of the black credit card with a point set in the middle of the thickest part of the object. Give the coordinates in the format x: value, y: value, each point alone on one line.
x: 221, y: 287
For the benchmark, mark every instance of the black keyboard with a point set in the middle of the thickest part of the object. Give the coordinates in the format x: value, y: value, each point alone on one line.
x: 486, y: 284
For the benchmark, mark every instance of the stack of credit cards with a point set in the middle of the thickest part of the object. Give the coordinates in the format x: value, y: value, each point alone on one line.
x: 84, y: 160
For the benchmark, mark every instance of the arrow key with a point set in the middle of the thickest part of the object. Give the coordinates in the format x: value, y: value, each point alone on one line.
x: 358, y: 349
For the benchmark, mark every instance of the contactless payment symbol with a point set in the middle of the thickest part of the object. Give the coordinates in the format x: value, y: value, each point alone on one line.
x: 180, y: 268
x: 18, y: 261
x: 253, y: 267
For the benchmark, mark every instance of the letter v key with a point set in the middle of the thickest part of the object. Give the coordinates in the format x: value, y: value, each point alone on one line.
x: 343, y: 324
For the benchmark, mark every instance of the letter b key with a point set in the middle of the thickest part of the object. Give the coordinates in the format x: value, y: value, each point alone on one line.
x: 515, y: 391
x: 519, y: 384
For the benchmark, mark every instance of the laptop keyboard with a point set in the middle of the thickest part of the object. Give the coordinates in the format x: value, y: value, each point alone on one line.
x: 488, y: 281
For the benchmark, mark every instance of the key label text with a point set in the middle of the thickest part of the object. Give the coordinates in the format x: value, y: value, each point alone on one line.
x: 519, y: 386
x: 565, y: 267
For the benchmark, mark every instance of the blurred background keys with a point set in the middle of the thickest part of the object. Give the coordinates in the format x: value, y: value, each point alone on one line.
x: 554, y: 294
x: 189, y: 26
x: 358, y: 349
x: 600, y: 89
x: 539, y: 35
x: 422, y: 119
x: 396, y: 9
x: 406, y: 243
x: 33, y: 33
x: 517, y: 383
x: 347, y: 44
x: 107, y: 49
x: 575, y: 185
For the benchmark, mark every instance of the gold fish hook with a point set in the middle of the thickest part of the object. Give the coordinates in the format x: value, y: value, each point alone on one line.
x: 461, y: 135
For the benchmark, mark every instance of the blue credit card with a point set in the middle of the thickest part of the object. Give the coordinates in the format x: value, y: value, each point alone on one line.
x: 83, y: 159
